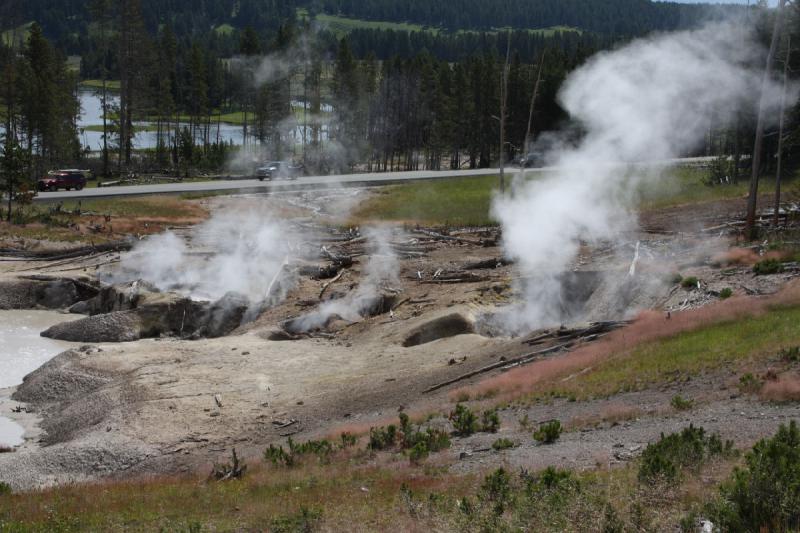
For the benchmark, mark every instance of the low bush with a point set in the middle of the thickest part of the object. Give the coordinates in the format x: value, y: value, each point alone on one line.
x: 496, y: 490
x: 790, y: 355
x: 548, y: 432
x: 689, y: 283
x: 382, y: 438
x: 767, y: 267
x: 689, y: 449
x: 464, y: 420
x: 765, y: 494
x: 490, y: 421
x: 502, y: 444
x: 348, y: 440
x: 5, y: 488
x: 304, y: 521
x: 749, y: 384
x: 726, y: 293
x: 277, y: 455
x: 679, y: 403
x: 418, y: 453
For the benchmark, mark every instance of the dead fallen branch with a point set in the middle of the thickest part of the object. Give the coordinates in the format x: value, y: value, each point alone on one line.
x: 527, y: 358
x: 57, y: 255
x: 329, y: 283
x: 565, y: 334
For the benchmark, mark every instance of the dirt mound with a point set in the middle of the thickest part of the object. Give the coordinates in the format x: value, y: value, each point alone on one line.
x: 440, y: 328
x: 121, y: 326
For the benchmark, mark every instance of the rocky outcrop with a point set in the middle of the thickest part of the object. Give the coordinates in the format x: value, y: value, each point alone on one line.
x: 137, y: 310
x: 44, y: 292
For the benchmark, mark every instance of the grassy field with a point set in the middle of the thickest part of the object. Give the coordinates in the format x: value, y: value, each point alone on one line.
x: 459, y: 202
x: 343, y: 25
x: 111, y: 85
x: 467, y: 201
x: 144, y: 214
x: 18, y: 34
x: 734, y: 344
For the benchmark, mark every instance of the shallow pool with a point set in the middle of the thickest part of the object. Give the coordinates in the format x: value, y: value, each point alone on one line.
x: 23, y: 350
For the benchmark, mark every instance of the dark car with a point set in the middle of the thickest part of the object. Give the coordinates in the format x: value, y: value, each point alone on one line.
x: 531, y: 160
x: 276, y: 170
x: 62, y: 179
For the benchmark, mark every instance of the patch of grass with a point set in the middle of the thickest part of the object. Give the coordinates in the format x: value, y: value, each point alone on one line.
x: 111, y: 85
x: 747, y: 339
x: 457, y: 202
x: 790, y: 355
x: 502, y: 444
x: 749, y: 384
x: 726, y: 293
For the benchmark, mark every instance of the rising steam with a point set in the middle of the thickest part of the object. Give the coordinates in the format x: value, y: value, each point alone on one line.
x: 651, y: 100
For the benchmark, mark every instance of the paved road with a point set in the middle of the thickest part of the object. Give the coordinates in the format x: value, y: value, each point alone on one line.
x: 344, y: 180
x: 255, y: 186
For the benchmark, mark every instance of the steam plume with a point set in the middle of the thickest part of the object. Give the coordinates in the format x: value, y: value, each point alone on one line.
x: 651, y: 100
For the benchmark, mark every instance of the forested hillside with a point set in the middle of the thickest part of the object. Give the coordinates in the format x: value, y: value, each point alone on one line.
x: 68, y: 22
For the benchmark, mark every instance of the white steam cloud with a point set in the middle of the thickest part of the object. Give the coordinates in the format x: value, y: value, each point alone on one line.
x: 651, y: 100
x: 231, y: 252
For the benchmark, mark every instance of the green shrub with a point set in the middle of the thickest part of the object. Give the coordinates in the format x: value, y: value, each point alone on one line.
x: 418, y: 453
x: 382, y: 438
x: 689, y: 283
x: 679, y: 403
x: 502, y: 444
x: 676, y: 279
x: 689, y: 449
x: 496, y: 489
x: 549, y: 432
x: 464, y: 420
x: 765, y: 494
x: 552, y: 477
x: 490, y: 422
x: 767, y: 267
x: 435, y: 440
x: 5, y: 488
x: 405, y: 424
x: 277, y: 455
x: 726, y: 293
x: 305, y: 521
x: 749, y: 384
x: 790, y: 355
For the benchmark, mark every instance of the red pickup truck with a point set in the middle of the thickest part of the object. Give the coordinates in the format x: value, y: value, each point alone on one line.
x: 62, y: 179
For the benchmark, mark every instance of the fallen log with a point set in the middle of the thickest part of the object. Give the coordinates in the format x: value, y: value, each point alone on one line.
x: 575, y: 333
x: 440, y: 237
x: 488, y: 263
x: 500, y: 364
x: 57, y: 255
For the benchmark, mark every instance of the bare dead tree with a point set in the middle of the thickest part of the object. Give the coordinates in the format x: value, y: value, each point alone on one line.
x: 779, y: 170
x: 752, y: 200
x: 504, y: 115
x: 533, y: 101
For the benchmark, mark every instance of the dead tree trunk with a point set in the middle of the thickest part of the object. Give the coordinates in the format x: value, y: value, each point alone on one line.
x: 752, y: 200
x: 503, y: 116
x: 779, y: 170
x: 533, y: 104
